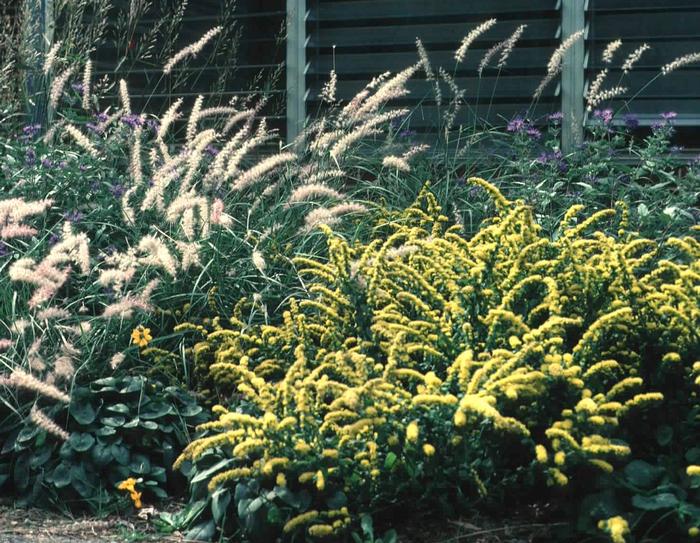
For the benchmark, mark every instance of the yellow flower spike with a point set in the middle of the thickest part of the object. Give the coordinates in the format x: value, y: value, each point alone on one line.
x: 412, y: 432
x: 541, y: 454
x: 616, y: 527
x: 320, y: 480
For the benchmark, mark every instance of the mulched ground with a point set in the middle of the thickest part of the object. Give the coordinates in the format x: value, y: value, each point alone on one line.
x: 39, y: 526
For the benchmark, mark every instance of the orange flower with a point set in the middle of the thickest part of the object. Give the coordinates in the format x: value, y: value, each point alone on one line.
x: 130, y: 486
x: 141, y: 336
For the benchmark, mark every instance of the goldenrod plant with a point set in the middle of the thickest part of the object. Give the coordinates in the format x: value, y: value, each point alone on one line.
x: 424, y: 363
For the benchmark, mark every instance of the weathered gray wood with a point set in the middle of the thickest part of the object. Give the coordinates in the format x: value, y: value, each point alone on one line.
x: 572, y: 77
x: 296, y: 67
x: 38, y: 36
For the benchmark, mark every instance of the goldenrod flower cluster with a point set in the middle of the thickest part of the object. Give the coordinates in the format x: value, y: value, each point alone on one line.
x: 416, y: 343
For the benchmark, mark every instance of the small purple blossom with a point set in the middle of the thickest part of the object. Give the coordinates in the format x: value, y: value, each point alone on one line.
x: 556, y: 117
x: 553, y: 157
x: 96, y: 128
x: 117, y: 190
x: 53, y: 239
x: 407, y: 133
x: 30, y: 130
x: 78, y: 87
x: 152, y: 125
x: 211, y: 150
x: 101, y: 117
x: 605, y: 115
x: 73, y: 216
x: 657, y: 125
x: 132, y: 120
x: 62, y: 165
x: 516, y: 125
x: 631, y: 121
x: 533, y: 132
x: 669, y: 115
x: 47, y: 163
x: 4, y: 251
x: 82, y: 167
x: 30, y: 157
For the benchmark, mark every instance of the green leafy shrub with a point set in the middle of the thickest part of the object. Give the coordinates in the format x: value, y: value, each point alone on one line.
x: 120, y: 428
x: 419, y: 358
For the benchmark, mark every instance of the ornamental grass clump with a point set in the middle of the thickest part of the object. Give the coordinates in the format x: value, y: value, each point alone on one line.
x: 425, y: 368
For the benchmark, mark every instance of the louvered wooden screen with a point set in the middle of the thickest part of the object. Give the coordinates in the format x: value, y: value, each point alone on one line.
x: 372, y: 36
x: 247, y: 58
x: 670, y: 27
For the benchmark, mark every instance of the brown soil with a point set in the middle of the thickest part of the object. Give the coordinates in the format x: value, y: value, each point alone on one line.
x: 38, y: 526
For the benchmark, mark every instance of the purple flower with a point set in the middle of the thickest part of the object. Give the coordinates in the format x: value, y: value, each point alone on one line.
x: 30, y: 130
x: 657, y: 125
x: 533, y: 132
x: 556, y: 117
x: 516, y: 125
x: 30, y: 157
x: 82, y: 167
x: 605, y: 115
x: 78, y: 87
x: 53, y: 239
x: 669, y: 115
x: 631, y: 121
x: 117, y: 190
x: 211, y: 150
x: 73, y: 216
x: 152, y: 125
x: 62, y: 165
x: 96, y: 128
x: 132, y: 120
x: 46, y: 163
x: 4, y: 251
x: 554, y: 157
x: 407, y: 133
x: 101, y: 117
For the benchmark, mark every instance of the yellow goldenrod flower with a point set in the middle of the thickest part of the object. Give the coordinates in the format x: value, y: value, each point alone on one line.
x: 541, y: 454
x: 412, y: 432
x: 616, y: 528
x: 320, y: 480
x: 321, y: 530
x: 428, y: 449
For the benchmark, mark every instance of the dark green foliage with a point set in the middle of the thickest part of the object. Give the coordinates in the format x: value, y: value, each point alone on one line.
x: 120, y: 427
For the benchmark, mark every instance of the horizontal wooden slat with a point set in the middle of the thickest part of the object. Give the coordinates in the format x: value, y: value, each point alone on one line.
x: 623, y: 6
x: 404, y: 9
x: 531, y: 58
x: 451, y: 33
x: 501, y: 87
x: 646, y: 26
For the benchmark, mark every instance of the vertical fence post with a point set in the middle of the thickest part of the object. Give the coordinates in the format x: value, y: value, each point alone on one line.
x: 573, y: 19
x: 38, y: 36
x: 296, y: 67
